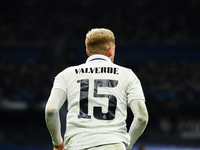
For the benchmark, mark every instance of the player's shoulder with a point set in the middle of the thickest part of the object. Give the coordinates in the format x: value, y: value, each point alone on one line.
x: 123, y: 68
x: 126, y: 72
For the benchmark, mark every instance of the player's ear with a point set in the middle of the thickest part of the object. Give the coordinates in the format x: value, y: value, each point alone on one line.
x: 110, y: 51
x: 88, y: 53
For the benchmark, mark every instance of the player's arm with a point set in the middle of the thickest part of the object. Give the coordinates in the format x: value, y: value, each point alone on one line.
x: 139, y: 122
x: 55, y: 101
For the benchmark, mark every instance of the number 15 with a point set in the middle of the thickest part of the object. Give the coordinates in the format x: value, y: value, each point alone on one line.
x: 97, y: 111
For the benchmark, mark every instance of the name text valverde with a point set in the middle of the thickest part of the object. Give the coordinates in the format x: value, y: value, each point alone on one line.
x: 97, y: 70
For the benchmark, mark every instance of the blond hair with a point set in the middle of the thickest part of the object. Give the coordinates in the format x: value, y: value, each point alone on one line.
x: 99, y: 40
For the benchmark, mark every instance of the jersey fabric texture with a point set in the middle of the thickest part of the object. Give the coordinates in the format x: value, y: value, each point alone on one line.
x: 98, y: 92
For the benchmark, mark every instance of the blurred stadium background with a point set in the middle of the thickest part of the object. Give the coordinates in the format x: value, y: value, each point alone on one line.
x: 158, y: 39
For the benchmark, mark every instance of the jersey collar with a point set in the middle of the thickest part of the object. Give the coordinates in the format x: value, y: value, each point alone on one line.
x: 98, y: 57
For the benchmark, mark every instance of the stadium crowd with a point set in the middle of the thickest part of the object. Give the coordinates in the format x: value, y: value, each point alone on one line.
x: 66, y: 22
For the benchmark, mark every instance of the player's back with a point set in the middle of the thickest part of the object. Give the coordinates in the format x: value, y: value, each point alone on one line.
x: 97, y: 103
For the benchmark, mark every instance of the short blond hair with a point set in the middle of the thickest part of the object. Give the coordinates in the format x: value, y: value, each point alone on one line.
x: 99, y: 39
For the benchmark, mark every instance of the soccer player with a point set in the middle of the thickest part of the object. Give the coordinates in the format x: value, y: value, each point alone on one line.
x: 98, y: 93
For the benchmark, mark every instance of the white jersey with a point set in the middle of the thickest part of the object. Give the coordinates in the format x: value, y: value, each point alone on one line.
x: 98, y: 92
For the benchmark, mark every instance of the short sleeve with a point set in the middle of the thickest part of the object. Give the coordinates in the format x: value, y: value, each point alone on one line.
x: 60, y: 82
x: 134, y: 88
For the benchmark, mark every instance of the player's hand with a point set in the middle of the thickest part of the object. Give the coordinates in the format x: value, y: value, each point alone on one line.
x: 59, y: 147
